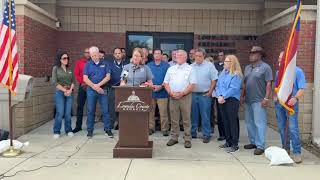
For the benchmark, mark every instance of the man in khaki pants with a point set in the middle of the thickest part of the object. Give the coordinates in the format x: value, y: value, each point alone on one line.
x: 179, y: 82
x: 160, y: 96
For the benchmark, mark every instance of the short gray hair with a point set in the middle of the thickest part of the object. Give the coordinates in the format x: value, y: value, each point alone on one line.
x: 183, y: 52
x: 201, y: 50
x: 93, y: 49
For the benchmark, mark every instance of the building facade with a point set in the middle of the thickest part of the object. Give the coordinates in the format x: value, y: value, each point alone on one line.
x: 46, y: 26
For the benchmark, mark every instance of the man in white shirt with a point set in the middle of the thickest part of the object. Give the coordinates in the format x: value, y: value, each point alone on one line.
x: 179, y: 82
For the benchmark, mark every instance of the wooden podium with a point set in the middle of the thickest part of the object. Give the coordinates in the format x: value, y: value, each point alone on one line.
x: 133, y: 105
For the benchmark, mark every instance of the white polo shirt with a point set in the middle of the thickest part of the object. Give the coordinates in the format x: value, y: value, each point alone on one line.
x: 179, y: 77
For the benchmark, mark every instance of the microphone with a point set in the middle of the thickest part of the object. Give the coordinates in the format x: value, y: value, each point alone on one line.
x: 124, y: 75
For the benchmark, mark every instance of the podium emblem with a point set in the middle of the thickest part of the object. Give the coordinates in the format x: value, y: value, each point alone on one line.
x: 133, y: 104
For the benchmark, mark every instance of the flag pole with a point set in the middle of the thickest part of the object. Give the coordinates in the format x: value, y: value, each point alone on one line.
x: 11, y: 152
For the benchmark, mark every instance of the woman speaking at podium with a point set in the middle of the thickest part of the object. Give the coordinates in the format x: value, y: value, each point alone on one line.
x: 136, y: 73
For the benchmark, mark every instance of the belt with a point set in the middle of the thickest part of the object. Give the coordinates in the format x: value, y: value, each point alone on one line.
x: 201, y: 92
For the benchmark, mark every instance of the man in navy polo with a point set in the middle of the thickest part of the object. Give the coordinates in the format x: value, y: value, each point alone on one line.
x: 116, y: 66
x: 160, y: 96
x: 96, y: 75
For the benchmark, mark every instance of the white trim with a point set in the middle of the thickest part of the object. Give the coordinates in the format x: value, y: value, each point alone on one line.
x: 277, y: 5
x: 159, y: 5
x: 288, y: 11
x: 36, y: 8
x: 316, y: 92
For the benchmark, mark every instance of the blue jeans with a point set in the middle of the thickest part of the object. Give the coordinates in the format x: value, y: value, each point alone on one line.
x: 294, y: 134
x: 63, y: 109
x: 256, y: 122
x: 92, y: 98
x: 201, y: 109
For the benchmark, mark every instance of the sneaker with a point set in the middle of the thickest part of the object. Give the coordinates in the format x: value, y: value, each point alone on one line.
x: 75, y: 130
x: 172, y: 142
x: 90, y: 134
x: 165, y: 133
x: 206, y: 140
x: 250, y: 146
x: 187, y: 144
x: 232, y: 149
x: 70, y: 134
x: 56, y: 136
x: 221, y: 139
x: 258, y: 151
x: 109, y: 133
x: 223, y: 146
x: 151, y: 131
x: 297, y: 158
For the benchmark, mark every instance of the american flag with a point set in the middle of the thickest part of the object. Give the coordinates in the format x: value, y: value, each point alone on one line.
x: 8, y: 49
x: 287, y: 71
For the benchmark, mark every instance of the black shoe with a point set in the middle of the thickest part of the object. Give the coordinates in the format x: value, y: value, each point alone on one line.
x: 151, y: 131
x: 75, y: 130
x: 221, y: 138
x: 250, y: 146
x: 109, y: 133
x: 165, y: 133
x: 206, y: 140
x: 194, y: 136
x: 117, y: 127
x: 223, y: 146
x: 90, y: 134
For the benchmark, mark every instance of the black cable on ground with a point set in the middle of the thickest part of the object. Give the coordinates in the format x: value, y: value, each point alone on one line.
x: 78, y: 148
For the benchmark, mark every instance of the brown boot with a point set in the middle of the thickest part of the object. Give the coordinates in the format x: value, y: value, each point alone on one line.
x: 172, y: 142
x: 187, y: 144
x: 258, y: 151
x: 297, y: 158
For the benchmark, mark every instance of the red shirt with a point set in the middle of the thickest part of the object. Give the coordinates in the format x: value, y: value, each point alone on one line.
x: 78, y: 70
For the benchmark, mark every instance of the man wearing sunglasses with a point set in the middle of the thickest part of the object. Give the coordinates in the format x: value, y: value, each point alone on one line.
x: 82, y: 94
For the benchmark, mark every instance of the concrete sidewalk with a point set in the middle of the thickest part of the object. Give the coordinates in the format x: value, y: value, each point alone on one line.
x: 79, y: 158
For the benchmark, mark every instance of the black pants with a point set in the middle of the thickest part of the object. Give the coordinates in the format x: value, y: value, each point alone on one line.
x: 113, y: 115
x: 229, y: 112
x: 81, y: 101
x: 219, y: 118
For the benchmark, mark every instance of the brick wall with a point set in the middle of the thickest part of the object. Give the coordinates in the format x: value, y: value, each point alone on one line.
x: 239, y: 45
x: 275, y: 41
x: 75, y: 42
x: 37, y: 47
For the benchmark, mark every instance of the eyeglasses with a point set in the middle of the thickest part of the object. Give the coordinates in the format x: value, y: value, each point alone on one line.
x: 227, y: 61
x: 65, y: 58
x: 86, y: 52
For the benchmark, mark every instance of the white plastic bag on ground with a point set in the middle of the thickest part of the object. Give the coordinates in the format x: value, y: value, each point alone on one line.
x: 277, y: 156
x: 5, y: 145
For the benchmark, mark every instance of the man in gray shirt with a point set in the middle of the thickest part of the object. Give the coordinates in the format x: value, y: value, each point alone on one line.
x: 256, y: 92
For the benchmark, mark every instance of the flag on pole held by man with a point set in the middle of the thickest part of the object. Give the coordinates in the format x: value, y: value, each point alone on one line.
x: 287, y: 71
x: 8, y: 48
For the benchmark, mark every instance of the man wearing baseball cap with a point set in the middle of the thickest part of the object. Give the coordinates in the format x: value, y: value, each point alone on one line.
x: 256, y: 92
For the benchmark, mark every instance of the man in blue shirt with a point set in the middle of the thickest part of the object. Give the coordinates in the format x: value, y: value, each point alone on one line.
x: 206, y: 75
x: 96, y: 75
x: 283, y: 115
x: 160, y: 96
x: 116, y: 66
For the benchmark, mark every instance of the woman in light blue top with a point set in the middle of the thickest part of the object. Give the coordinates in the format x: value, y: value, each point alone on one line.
x: 228, y: 92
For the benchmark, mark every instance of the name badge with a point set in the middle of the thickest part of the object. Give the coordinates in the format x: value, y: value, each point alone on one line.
x: 102, y: 66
